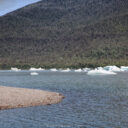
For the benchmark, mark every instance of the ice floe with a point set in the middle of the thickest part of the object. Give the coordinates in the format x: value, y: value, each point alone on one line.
x: 15, y: 69
x: 34, y: 73
x: 100, y: 68
x: 53, y: 70
x: 86, y: 69
x: 112, y: 68
x: 36, y: 69
x: 100, y: 72
x: 78, y: 70
x: 65, y: 70
x: 124, y: 68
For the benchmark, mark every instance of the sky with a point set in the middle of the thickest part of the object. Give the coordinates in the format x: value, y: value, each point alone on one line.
x: 7, y: 6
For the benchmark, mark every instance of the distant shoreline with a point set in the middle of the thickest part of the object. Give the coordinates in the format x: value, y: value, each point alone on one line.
x: 48, y: 68
x: 39, y: 68
x: 64, y: 65
x: 11, y: 97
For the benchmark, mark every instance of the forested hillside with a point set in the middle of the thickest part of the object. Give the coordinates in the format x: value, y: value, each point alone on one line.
x: 65, y: 33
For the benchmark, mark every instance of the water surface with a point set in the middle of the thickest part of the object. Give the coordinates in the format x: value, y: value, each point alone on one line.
x: 90, y: 101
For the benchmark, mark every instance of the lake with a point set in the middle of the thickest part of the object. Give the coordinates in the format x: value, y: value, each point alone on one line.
x: 90, y: 101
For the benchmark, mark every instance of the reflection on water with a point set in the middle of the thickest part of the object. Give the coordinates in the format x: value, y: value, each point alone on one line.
x: 91, y: 101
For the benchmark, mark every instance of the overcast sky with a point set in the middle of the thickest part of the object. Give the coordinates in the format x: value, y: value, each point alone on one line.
x: 7, y: 6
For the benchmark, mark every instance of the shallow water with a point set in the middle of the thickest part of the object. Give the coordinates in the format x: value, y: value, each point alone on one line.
x: 90, y: 101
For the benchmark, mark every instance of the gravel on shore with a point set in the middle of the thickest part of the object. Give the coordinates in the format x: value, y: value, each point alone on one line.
x: 11, y: 97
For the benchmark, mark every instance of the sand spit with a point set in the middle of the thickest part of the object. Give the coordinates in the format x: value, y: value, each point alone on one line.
x: 19, y: 97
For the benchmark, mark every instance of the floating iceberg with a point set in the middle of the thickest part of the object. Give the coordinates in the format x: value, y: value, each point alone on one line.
x: 100, y: 68
x: 34, y: 73
x: 78, y: 70
x: 36, y: 69
x: 100, y: 72
x: 124, y: 68
x: 53, y: 70
x: 112, y: 68
x: 15, y: 69
x: 86, y: 69
x: 66, y: 70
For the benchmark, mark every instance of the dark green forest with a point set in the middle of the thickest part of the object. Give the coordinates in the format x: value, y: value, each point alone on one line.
x: 65, y: 33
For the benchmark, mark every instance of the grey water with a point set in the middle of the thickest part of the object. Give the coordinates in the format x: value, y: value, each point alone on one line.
x: 90, y: 101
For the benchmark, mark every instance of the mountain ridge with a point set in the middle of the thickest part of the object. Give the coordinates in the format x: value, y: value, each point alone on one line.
x: 68, y: 33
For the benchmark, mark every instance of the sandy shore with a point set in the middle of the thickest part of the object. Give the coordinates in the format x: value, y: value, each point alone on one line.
x: 19, y: 97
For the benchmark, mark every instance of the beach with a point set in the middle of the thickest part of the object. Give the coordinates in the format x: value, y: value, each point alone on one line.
x: 11, y: 97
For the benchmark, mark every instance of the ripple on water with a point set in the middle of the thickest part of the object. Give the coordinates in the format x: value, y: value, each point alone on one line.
x: 90, y: 102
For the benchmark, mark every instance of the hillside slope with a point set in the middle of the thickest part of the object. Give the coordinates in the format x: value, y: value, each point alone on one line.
x: 66, y: 33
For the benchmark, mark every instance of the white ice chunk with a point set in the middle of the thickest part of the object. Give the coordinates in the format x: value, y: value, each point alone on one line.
x: 100, y: 72
x: 36, y: 69
x: 66, y: 70
x: 100, y: 68
x: 53, y: 70
x: 34, y: 73
x: 86, y: 69
x: 124, y: 68
x: 112, y: 68
x: 15, y: 69
x: 78, y: 70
